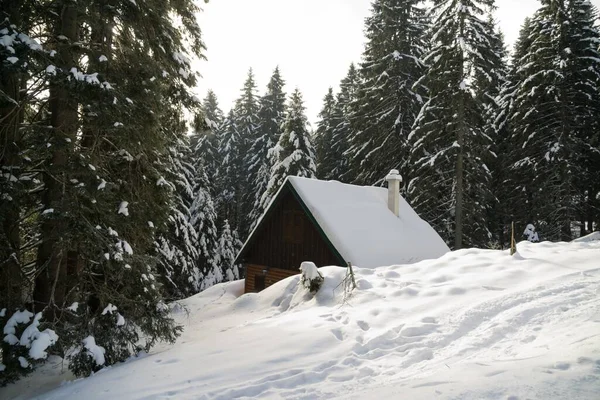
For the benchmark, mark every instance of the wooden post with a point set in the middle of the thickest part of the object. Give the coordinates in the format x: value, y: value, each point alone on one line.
x: 513, y: 245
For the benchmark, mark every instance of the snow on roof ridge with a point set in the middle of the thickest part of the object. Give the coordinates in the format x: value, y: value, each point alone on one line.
x: 362, y: 228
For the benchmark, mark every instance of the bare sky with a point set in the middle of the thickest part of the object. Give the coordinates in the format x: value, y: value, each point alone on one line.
x: 312, y: 41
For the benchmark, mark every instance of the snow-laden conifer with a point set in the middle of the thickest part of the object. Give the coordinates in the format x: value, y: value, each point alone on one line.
x: 271, y: 116
x: 294, y: 154
x: 388, y: 99
x: 449, y: 178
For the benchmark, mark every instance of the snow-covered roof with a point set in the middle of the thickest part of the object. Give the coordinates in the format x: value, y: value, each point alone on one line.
x: 359, y: 224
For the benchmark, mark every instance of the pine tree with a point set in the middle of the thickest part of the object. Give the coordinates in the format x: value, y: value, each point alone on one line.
x: 229, y: 246
x: 228, y: 197
x: 204, y: 219
x: 449, y: 175
x: 555, y: 105
x: 177, y: 244
x: 246, y: 122
x: 388, y: 100
x: 488, y: 85
x: 505, y: 180
x: 204, y: 140
x: 324, y: 134
x: 271, y: 116
x: 294, y: 151
x: 337, y: 160
x: 96, y: 136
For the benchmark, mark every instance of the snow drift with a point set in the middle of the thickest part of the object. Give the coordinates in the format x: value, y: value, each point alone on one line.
x: 474, y: 324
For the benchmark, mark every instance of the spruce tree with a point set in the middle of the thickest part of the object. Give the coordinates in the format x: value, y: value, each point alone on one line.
x: 228, y: 191
x: 246, y: 122
x: 271, y: 116
x: 337, y: 160
x: 449, y: 178
x: 488, y: 85
x: 324, y: 134
x: 22, y: 83
x: 204, y: 220
x: 229, y: 246
x: 95, y: 131
x: 388, y: 99
x: 177, y: 243
x: 294, y: 151
x: 505, y: 177
x: 555, y: 105
x: 204, y: 139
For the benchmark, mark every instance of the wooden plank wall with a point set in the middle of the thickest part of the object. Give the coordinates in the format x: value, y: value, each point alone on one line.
x: 272, y: 275
x: 269, y: 247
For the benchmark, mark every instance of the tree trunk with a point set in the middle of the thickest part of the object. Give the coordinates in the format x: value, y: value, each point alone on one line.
x: 460, y: 138
x: 50, y: 284
x: 11, y: 282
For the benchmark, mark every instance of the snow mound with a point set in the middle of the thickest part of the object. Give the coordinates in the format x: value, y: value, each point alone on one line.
x: 473, y: 324
x: 592, y: 237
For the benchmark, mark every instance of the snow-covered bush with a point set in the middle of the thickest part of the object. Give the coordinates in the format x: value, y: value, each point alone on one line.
x: 530, y: 234
x: 112, y: 338
x: 23, y: 344
x: 311, y: 277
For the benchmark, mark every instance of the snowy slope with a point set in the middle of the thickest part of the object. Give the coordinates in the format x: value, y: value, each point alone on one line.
x: 474, y: 324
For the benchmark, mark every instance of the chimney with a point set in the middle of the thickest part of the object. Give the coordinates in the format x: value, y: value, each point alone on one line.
x: 394, y: 179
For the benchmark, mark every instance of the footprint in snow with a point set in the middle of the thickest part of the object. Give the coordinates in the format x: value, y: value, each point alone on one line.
x: 493, y: 288
x: 363, y: 325
x: 457, y: 291
x: 338, y: 334
x: 563, y: 366
x: 422, y: 330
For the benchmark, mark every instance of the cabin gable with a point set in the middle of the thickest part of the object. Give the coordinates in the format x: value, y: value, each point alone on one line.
x: 286, y: 236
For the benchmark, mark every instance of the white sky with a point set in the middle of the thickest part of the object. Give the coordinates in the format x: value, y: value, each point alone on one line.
x: 312, y: 41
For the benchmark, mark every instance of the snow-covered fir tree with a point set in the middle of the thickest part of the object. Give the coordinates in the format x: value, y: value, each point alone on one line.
x: 271, y: 115
x: 504, y: 177
x: 204, y: 220
x: 324, y: 133
x: 96, y: 136
x: 553, y: 118
x: 294, y: 151
x: 229, y: 246
x: 388, y: 100
x: 488, y: 85
x: 229, y: 186
x: 177, y: 243
x: 247, y: 123
x: 204, y: 139
x: 449, y: 177
x: 335, y: 164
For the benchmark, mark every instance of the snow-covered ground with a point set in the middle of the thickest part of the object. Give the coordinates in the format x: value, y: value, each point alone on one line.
x: 474, y: 324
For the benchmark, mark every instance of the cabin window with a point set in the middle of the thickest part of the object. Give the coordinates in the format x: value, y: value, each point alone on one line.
x: 293, y: 227
x: 259, y: 283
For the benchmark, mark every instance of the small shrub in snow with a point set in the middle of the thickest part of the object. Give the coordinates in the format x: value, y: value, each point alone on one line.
x: 23, y: 344
x: 530, y: 234
x: 311, y: 277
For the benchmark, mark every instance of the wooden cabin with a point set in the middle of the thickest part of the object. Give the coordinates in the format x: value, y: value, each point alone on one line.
x: 331, y: 223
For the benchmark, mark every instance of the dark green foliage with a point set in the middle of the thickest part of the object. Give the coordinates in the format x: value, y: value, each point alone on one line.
x: 449, y: 177
x: 388, y: 99
x: 294, y: 154
x: 553, y: 119
x: 271, y: 116
x: 97, y: 158
x: 324, y: 134
x: 333, y: 144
